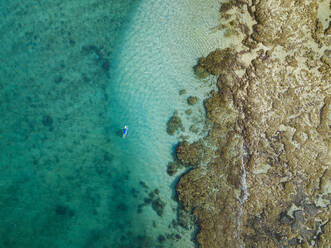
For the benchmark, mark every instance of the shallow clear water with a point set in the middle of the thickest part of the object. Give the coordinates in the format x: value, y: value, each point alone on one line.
x: 71, y: 76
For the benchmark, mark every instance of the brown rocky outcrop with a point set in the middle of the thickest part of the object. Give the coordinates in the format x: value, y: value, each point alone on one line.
x: 267, y: 183
x: 218, y: 61
x: 189, y: 154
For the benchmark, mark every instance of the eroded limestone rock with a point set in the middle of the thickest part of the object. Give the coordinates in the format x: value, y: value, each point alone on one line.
x: 267, y: 183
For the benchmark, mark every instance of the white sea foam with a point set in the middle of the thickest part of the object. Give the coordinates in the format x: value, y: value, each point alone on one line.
x: 242, y: 195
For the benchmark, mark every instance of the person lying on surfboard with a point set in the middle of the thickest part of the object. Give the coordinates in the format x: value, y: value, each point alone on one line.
x: 125, y: 131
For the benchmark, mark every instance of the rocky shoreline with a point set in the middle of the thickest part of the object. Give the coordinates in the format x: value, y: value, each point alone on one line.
x: 267, y: 183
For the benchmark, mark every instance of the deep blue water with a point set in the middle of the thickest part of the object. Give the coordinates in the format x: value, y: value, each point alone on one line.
x: 72, y: 74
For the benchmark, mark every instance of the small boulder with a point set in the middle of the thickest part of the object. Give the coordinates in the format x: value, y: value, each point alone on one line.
x: 161, y: 238
x: 182, y: 92
x: 188, y: 111
x: 191, y: 100
x: 47, y: 121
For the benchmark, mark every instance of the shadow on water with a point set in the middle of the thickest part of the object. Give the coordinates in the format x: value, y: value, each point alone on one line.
x: 119, y: 133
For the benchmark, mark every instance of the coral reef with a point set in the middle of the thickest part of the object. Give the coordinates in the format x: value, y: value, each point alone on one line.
x: 173, y: 167
x: 189, y: 154
x: 47, y: 121
x: 267, y: 183
x: 158, y: 206
x: 217, y: 61
x: 185, y: 219
x: 200, y: 72
x: 174, y: 124
x: 64, y: 211
x: 182, y: 92
x: 153, y: 198
x: 191, y: 100
x: 188, y: 111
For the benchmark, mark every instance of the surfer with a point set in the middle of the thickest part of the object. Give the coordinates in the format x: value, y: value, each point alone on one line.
x: 125, y: 131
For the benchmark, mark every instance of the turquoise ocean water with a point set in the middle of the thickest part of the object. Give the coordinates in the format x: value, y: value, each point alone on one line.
x: 72, y: 74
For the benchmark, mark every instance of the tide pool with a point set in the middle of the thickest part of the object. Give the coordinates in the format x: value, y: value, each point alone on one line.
x: 71, y: 76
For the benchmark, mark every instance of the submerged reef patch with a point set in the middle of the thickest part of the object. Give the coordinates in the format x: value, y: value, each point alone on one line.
x: 217, y: 61
x: 64, y: 211
x: 191, y: 100
x: 189, y: 154
x: 158, y: 206
x: 173, y: 167
x: 174, y: 124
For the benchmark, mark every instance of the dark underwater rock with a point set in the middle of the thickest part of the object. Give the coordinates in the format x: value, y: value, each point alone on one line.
x: 182, y: 92
x: 158, y: 205
x: 64, y: 211
x: 161, y: 238
x: 105, y: 64
x: 47, y: 121
x: 184, y: 219
x: 174, y: 124
x: 191, y: 100
x: 200, y: 72
x: 188, y: 111
x: 122, y: 207
x: 172, y: 168
x: 144, y: 241
x: 216, y: 62
x: 143, y: 184
x: 189, y: 154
